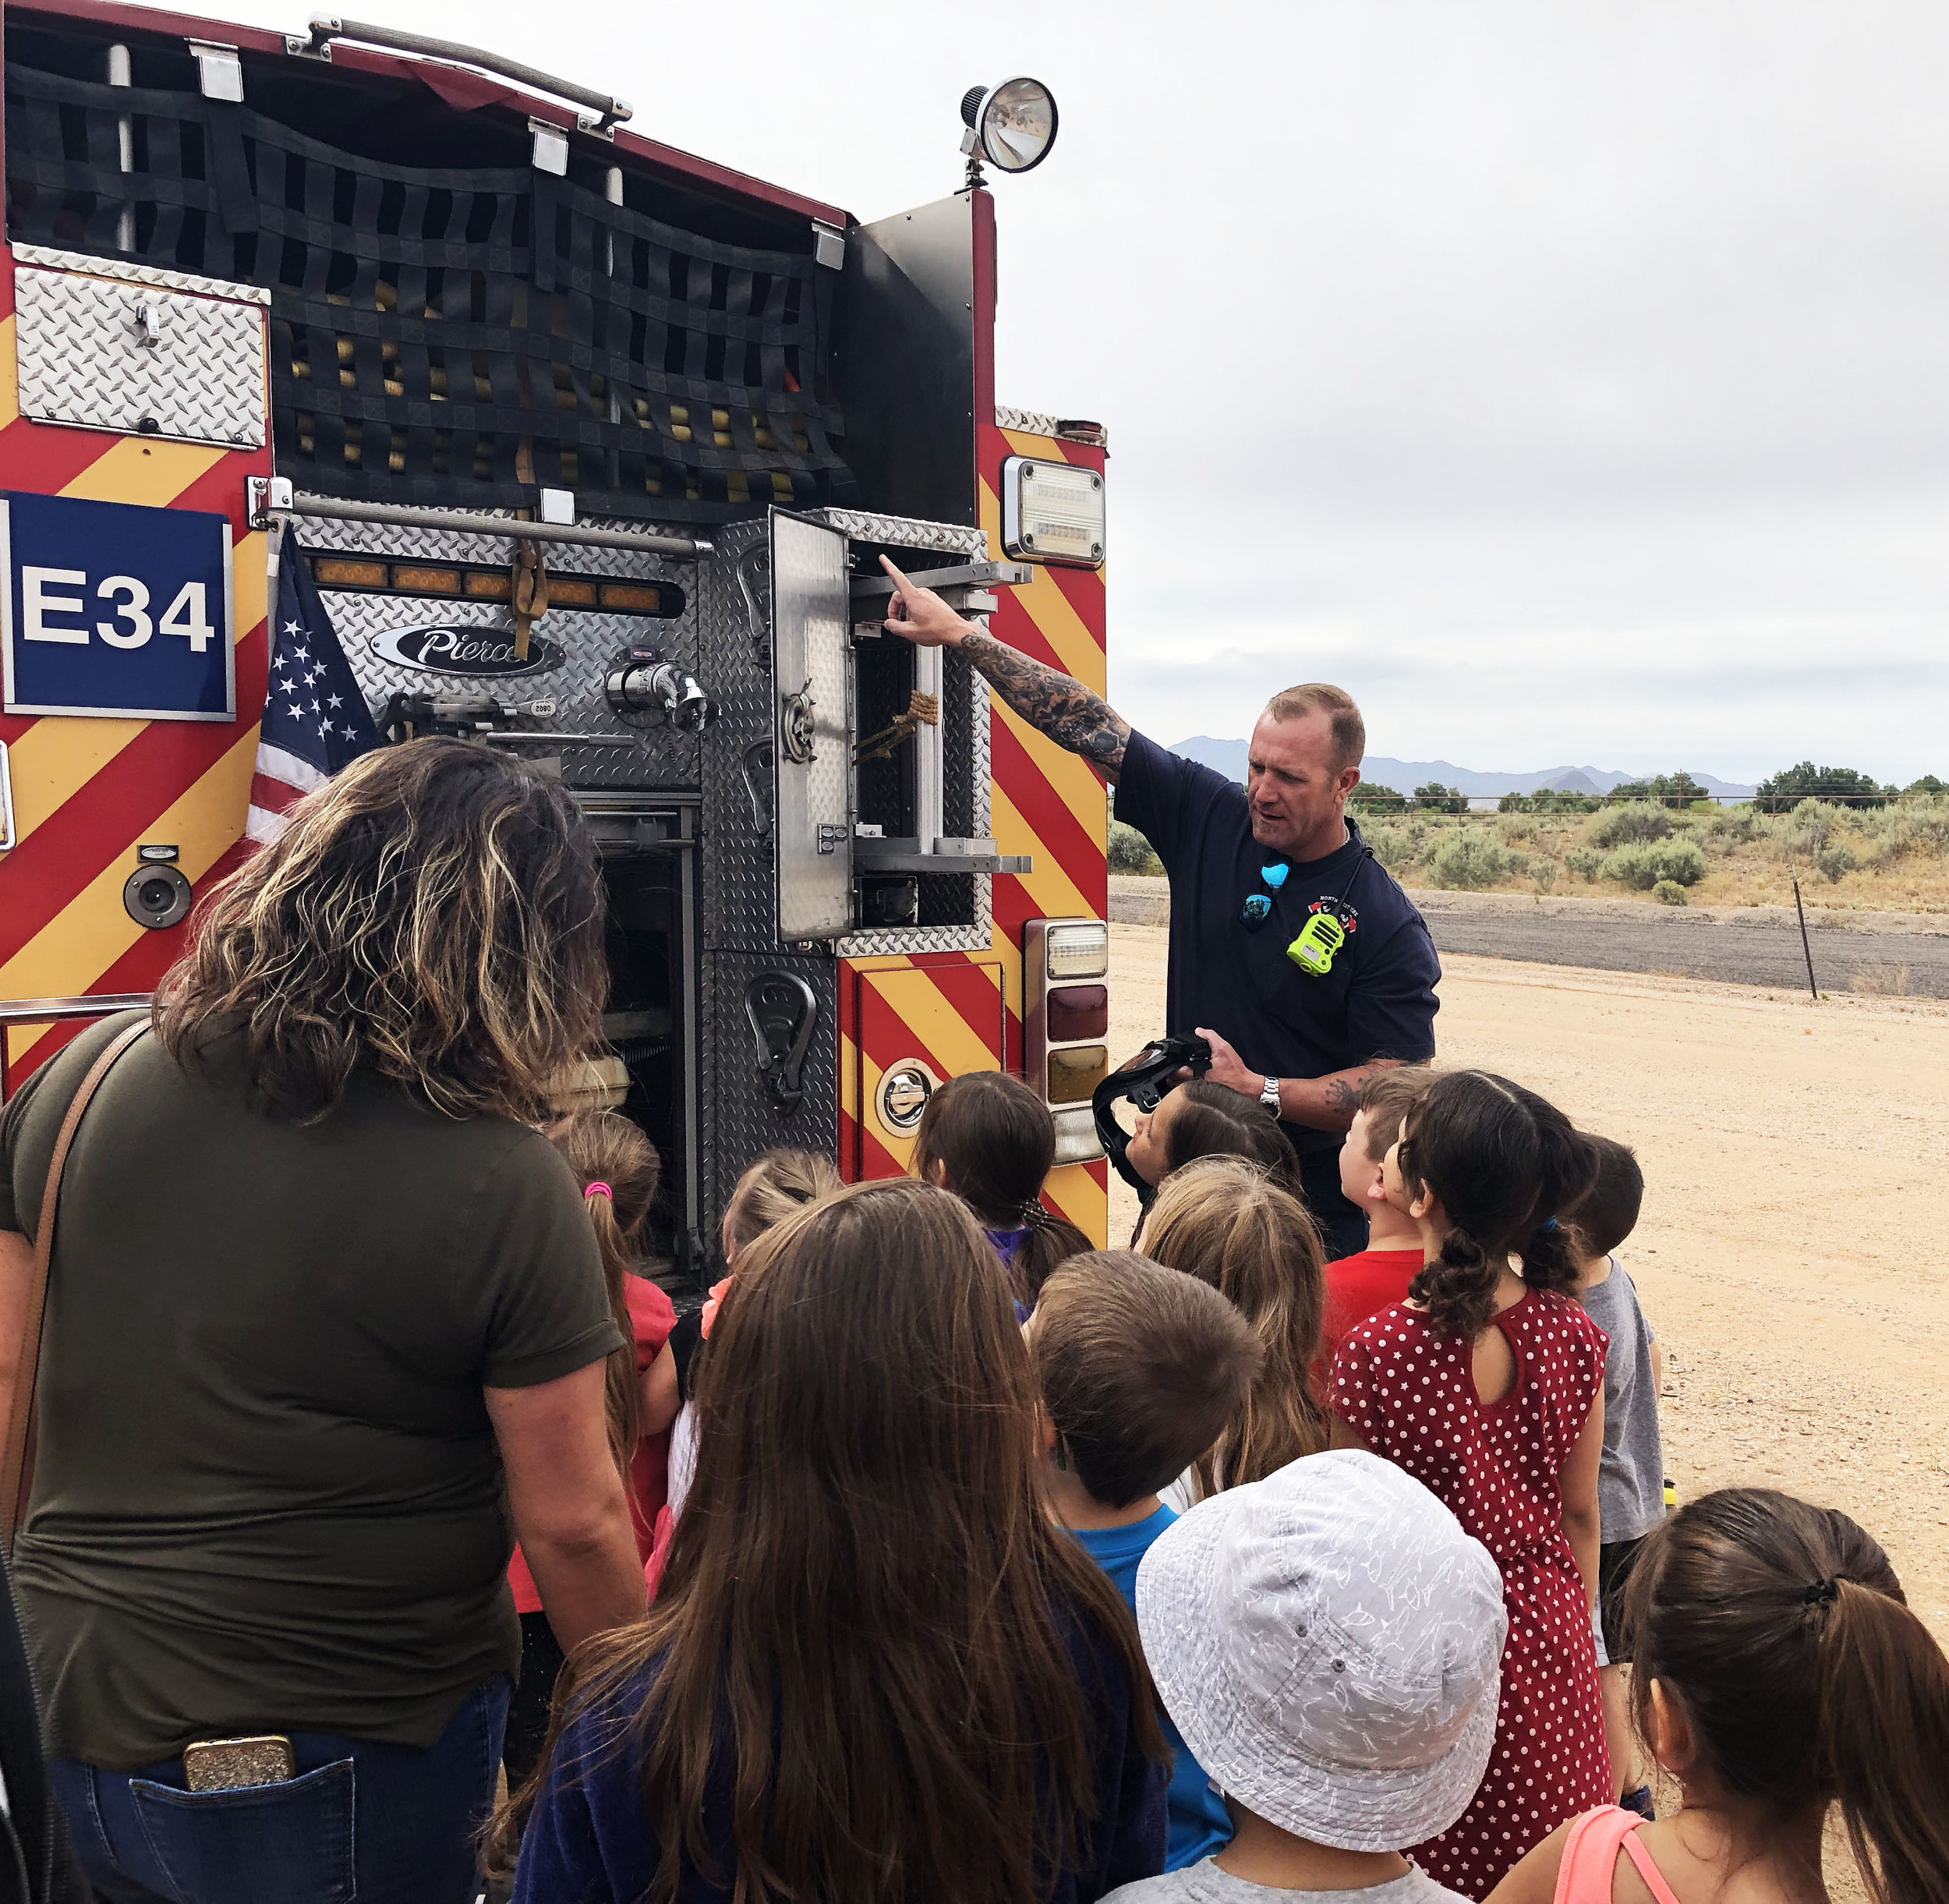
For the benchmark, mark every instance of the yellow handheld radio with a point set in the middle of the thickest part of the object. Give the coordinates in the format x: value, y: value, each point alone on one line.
x: 1319, y: 938
x: 1323, y: 935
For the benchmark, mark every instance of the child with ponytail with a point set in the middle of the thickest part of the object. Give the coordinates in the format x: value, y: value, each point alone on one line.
x: 990, y: 1139
x: 1487, y: 1385
x: 1778, y: 1673
x: 619, y: 1171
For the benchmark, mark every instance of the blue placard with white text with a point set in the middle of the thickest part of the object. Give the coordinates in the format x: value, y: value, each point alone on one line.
x: 113, y: 609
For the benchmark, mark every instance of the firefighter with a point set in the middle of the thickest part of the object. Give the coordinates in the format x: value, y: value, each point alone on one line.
x: 1293, y: 949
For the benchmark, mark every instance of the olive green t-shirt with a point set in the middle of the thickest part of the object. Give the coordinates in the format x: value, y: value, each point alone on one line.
x: 268, y: 1496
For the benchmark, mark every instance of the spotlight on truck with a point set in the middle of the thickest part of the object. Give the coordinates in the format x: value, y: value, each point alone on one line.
x: 1012, y: 126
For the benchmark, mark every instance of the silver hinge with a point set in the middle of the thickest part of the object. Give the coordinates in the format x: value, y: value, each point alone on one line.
x: 219, y: 69
x: 264, y: 494
x: 829, y: 245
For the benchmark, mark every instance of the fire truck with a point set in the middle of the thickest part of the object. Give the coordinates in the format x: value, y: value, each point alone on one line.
x: 592, y: 448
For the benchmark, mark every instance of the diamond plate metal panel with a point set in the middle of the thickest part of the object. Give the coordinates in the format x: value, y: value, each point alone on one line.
x: 193, y: 372
x: 124, y: 272
x: 1032, y: 423
x: 566, y: 697
x: 739, y: 1119
x: 812, y: 622
x: 733, y: 609
x: 905, y: 531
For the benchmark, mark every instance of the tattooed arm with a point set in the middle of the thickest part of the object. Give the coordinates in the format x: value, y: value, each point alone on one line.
x: 1051, y: 701
x: 1324, y: 1103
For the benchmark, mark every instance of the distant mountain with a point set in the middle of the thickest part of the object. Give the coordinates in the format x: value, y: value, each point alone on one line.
x: 1404, y: 776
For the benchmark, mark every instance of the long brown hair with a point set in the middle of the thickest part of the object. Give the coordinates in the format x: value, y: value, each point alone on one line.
x: 1781, y: 1631
x: 601, y: 1147
x: 434, y: 912
x: 1505, y: 1164
x: 1210, y: 1120
x: 992, y: 1140
x: 1224, y: 1221
x: 863, y: 1594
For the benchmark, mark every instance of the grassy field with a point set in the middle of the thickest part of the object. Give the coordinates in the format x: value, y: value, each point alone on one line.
x: 1893, y: 858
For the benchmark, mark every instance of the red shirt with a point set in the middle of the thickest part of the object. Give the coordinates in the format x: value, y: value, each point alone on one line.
x: 652, y: 1319
x: 1358, y: 1286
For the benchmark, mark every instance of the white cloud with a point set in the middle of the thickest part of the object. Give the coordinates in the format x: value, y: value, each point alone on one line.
x: 1566, y: 381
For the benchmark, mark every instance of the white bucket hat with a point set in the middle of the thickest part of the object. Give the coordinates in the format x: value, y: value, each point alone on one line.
x: 1329, y: 1642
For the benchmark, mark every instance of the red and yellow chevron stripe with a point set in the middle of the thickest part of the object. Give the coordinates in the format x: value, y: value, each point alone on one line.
x: 86, y: 792
x: 1045, y: 802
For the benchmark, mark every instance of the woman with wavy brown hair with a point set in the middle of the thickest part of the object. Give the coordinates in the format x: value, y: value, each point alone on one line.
x: 876, y: 1670
x: 324, y: 1313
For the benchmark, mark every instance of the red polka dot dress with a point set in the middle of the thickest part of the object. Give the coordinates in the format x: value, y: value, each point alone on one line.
x: 1409, y: 1394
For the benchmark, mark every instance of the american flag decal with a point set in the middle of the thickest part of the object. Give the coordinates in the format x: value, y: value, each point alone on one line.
x: 315, y: 720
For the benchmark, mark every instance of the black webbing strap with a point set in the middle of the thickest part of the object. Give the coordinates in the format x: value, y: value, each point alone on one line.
x: 456, y: 334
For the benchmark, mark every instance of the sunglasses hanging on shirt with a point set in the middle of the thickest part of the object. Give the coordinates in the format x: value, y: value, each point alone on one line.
x: 1258, y: 906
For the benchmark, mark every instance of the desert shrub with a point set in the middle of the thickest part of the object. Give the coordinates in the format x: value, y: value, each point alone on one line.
x: 1516, y: 864
x: 1725, y: 830
x: 1643, y: 863
x: 1130, y: 851
x: 1669, y: 892
x: 1466, y: 860
x: 1395, y: 848
x: 1805, y: 830
x: 1543, y: 871
x: 1834, y: 861
x: 1637, y: 819
x: 1512, y: 825
x: 1916, y: 826
x: 1583, y: 860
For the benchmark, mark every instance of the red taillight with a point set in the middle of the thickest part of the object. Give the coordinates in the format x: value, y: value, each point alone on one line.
x: 1078, y: 1011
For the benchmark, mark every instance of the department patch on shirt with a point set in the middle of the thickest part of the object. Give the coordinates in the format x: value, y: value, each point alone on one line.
x: 1348, y: 915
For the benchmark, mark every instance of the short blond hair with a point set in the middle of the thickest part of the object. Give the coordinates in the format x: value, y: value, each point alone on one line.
x: 1343, y: 718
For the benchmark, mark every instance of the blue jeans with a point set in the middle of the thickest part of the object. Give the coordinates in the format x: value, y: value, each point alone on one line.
x: 358, y: 1824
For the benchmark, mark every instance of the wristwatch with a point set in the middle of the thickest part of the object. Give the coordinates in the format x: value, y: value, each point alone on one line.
x: 1269, y: 1095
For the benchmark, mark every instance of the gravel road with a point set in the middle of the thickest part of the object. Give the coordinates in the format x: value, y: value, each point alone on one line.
x: 1892, y: 954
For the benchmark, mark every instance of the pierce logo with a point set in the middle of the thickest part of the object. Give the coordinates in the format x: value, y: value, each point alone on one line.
x: 445, y: 648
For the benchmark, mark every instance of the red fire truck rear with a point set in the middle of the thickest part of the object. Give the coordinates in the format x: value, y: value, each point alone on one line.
x: 592, y: 448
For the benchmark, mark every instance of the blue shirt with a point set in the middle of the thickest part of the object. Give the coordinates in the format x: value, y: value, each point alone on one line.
x: 589, y: 1841
x: 1377, y: 1001
x: 1199, y: 1823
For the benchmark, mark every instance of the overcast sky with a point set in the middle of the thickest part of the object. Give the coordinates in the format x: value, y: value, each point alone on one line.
x: 1569, y: 381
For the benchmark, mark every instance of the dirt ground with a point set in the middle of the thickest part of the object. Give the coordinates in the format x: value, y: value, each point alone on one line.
x: 1791, y: 1153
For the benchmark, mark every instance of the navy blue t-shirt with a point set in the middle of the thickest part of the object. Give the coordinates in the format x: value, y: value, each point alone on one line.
x: 1378, y: 1000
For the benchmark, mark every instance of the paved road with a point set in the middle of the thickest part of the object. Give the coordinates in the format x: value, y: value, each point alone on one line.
x: 1759, y: 947
x: 1744, y: 951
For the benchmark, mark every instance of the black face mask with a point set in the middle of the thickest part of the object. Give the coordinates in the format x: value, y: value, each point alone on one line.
x: 1144, y: 1084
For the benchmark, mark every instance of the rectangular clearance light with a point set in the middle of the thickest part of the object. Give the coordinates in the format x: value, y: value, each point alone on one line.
x: 1052, y: 512
x: 378, y: 576
x: 1079, y: 951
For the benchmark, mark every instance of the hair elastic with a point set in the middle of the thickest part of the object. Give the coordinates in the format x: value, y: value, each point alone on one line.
x: 597, y: 1190
x: 1034, y: 1216
x: 1822, y: 1593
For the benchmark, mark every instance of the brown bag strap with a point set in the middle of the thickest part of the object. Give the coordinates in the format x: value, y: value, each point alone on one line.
x: 27, y: 1375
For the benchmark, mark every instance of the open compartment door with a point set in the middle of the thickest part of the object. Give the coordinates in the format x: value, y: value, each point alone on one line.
x: 810, y: 624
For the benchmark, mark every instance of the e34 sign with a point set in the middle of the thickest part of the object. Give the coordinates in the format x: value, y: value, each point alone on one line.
x: 113, y: 609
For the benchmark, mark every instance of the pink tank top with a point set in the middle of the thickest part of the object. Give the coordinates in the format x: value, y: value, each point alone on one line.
x: 1590, y: 1857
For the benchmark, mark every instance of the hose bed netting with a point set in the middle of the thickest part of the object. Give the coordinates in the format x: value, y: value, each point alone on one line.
x: 454, y: 336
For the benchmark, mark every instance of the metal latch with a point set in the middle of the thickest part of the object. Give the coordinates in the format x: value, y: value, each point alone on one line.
x: 795, y: 728
x: 782, y: 1011
x: 147, y: 323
